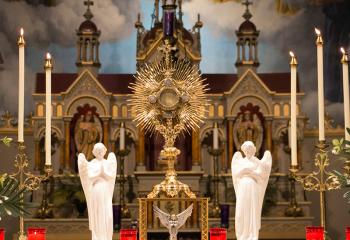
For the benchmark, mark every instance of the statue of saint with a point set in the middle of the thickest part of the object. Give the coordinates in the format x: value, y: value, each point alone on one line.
x: 248, y: 128
x: 250, y: 177
x: 87, y: 133
x: 98, y: 178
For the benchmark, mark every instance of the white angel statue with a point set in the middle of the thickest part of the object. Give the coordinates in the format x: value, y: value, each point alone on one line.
x: 250, y: 177
x: 98, y: 179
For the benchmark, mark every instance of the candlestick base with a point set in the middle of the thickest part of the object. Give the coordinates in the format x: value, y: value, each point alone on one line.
x: 125, y: 212
x: 215, y: 211
x: 171, y: 186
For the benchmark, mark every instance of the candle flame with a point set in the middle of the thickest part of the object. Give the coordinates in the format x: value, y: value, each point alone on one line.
x: 291, y: 53
x: 317, y: 31
x: 342, y: 50
x: 48, y: 56
x: 22, y: 32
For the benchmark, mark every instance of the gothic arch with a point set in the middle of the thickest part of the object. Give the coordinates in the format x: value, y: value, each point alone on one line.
x: 256, y: 100
x: 54, y: 129
x: 130, y: 130
x: 208, y: 128
x: 81, y: 101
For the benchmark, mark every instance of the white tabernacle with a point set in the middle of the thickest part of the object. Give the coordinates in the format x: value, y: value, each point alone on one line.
x: 250, y: 177
x: 98, y: 179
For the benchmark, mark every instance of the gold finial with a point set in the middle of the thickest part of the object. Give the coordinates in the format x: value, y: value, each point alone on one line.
x: 319, y: 40
x: 122, y: 125
x: 21, y: 41
x: 247, y: 15
x: 88, y: 15
x: 48, y: 64
x: 293, y: 61
x: 344, y: 58
x: 199, y: 23
x: 215, y: 125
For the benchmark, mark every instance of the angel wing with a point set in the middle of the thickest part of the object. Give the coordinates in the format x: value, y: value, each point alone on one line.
x: 234, y: 168
x: 85, y: 181
x: 110, y: 169
x: 163, y: 216
x: 182, y: 217
x: 264, y: 171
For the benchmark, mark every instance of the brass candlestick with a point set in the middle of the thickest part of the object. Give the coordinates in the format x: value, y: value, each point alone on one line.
x: 45, y: 211
x: 121, y: 154
x: 215, y: 209
x: 320, y: 180
x: 293, y: 210
x: 26, y: 180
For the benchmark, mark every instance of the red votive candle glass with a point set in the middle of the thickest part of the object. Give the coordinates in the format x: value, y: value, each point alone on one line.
x: 347, y: 233
x: 314, y: 233
x: 36, y: 233
x: 2, y: 234
x: 218, y: 234
x: 128, y: 234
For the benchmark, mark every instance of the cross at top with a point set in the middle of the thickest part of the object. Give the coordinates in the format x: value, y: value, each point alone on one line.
x: 88, y: 15
x: 88, y: 3
x: 247, y: 15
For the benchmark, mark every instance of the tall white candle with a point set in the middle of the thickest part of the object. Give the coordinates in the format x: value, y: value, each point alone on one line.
x: 21, y: 46
x: 122, y: 137
x: 215, y: 136
x: 48, y: 70
x: 345, y: 64
x: 293, y: 106
x: 319, y: 44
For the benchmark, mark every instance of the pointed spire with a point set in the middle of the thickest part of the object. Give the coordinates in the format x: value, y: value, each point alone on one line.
x: 247, y: 15
x: 199, y: 23
x: 88, y: 14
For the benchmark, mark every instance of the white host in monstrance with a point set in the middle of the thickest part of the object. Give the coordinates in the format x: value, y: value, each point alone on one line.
x: 98, y: 179
x: 250, y: 177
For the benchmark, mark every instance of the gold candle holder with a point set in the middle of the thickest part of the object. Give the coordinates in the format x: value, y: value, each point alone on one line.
x: 26, y: 180
x: 320, y: 180
x: 293, y: 210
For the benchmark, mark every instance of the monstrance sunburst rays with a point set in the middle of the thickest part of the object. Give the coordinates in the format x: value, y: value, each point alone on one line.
x: 169, y: 96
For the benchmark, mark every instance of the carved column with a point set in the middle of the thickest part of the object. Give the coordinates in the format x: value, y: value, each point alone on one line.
x: 105, y: 132
x: 275, y: 164
x: 196, y: 161
x: 224, y: 164
x: 268, y: 134
x: 141, y: 151
x: 78, y: 50
x: 62, y: 156
x: 230, y: 139
x: 37, y: 155
x: 243, y: 52
x: 67, y: 144
x: 84, y: 45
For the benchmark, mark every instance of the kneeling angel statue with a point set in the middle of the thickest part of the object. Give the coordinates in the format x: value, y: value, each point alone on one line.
x: 250, y: 177
x: 98, y: 178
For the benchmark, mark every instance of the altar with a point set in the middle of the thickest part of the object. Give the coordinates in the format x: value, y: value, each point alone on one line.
x: 173, y: 132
